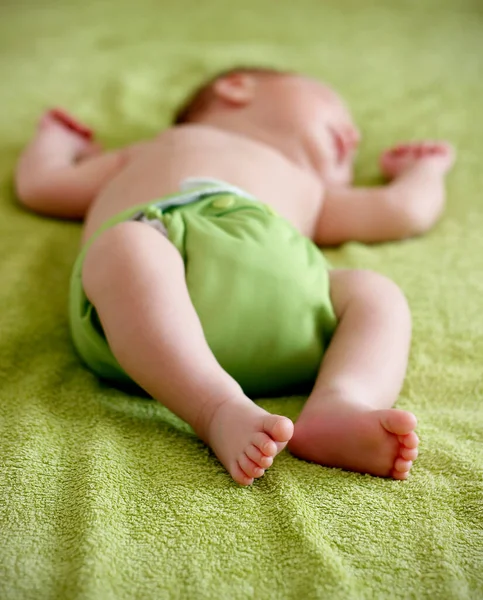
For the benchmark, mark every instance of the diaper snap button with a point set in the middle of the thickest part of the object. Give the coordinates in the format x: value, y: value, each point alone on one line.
x: 225, y: 202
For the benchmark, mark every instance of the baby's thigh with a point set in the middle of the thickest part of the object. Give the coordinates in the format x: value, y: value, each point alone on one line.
x: 129, y: 253
x: 131, y: 278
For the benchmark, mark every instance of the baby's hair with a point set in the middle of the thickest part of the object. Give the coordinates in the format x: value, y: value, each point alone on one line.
x: 199, y: 100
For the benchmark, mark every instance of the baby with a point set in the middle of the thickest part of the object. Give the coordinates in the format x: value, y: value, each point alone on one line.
x: 201, y: 281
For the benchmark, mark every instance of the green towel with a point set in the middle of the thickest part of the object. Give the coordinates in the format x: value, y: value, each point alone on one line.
x: 106, y: 496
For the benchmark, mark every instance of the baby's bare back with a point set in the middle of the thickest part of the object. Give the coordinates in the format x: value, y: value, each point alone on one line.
x: 156, y: 168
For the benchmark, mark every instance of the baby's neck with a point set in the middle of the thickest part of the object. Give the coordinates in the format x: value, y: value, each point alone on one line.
x: 289, y: 146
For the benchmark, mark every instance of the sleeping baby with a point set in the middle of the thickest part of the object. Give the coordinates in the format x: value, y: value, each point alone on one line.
x: 200, y: 278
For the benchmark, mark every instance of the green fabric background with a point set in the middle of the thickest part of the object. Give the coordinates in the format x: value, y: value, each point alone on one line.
x: 105, y: 496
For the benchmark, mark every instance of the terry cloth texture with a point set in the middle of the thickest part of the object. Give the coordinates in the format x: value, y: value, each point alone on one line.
x: 108, y: 496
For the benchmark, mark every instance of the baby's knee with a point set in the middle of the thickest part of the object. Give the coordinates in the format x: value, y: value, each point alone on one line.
x: 372, y: 289
x: 382, y: 291
x: 372, y: 281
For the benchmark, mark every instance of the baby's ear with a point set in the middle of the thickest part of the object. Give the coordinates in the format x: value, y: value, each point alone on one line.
x: 237, y: 89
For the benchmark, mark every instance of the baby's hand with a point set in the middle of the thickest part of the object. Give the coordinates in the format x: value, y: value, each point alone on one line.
x: 403, y: 157
x: 67, y: 120
x: 69, y: 135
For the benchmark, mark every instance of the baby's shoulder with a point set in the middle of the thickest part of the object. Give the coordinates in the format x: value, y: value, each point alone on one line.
x: 189, y: 132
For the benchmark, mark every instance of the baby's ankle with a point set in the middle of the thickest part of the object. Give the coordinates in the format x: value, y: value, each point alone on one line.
x: 210, y: 412
x: 348, y: 398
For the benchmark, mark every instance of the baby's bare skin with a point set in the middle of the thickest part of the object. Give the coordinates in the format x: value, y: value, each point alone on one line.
x: 296, y: 156
x: 155, y: 168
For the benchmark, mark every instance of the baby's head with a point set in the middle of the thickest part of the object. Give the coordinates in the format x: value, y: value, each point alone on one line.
x: 299, y: 115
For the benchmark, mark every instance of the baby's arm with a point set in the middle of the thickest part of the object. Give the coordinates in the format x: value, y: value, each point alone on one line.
x: 408, y: 206
x: 61, y: 170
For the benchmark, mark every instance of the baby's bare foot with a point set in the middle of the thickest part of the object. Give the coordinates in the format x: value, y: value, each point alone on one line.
x: 247, y: 438
x: 54, y: 133
x: 379, y: 442
x: 398, y: 160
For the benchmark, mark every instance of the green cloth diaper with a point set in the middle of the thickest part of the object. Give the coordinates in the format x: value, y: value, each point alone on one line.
x: 260, y: 288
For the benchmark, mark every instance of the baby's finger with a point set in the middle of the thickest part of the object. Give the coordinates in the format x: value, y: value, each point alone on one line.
x: 399, y: 150
x: 63, y: 117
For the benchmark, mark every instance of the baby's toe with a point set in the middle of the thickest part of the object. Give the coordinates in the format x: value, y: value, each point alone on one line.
x: 258, y: 457
x: 399, y: 422
x: 280, y: 429
x: 250, y: 468
x: 402, y: 466
x: 410, y: 440
x: 408, y: 453
x: 240, y: 476
x: 399, y: 475
x: 264, y: 443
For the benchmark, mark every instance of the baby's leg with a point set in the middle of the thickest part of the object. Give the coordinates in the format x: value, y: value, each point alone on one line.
x: 135, y: 278
x: 347, y: 421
